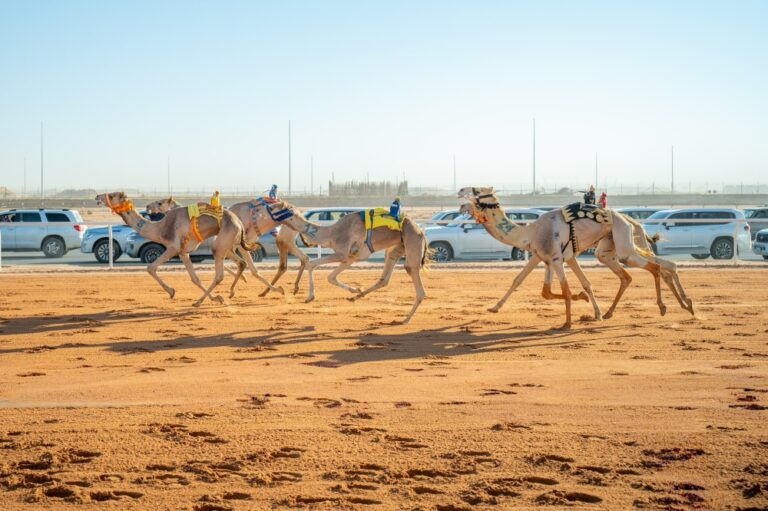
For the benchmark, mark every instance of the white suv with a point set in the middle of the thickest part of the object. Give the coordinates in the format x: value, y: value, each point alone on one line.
x: 700, y: 232
x: 52, y: 231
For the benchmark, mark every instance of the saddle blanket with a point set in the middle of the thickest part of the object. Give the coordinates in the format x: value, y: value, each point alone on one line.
x: 579, y: 211
x: 380, y: 217
x: 203, y: 209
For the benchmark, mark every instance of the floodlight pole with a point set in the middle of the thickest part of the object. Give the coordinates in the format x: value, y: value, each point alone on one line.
x: 42, y: 166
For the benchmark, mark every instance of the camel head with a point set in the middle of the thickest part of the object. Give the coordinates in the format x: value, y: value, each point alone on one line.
x: 118, y: 202
x: 162, y: 205
x: 482, y: 198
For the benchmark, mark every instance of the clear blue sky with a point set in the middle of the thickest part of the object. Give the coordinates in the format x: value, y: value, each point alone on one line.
x: 381, y: 88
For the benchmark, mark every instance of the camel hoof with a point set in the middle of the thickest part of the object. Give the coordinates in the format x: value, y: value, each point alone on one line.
x: 352, y: 298
x: 311, y: 298
x: 662, y: 310
x: 219, y: 299
x: 264, y: 293
x: 355, y: 290
x: 280, y: 290
x: 608, y: 315
x: 296, y: 290
x: 171, y: 292
x: 197, y: 303
x: 566, y: 326
x: 598, y: 317
x: 493, y: 309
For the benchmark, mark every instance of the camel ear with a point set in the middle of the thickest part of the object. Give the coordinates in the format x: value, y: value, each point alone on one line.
x: 490, y: 189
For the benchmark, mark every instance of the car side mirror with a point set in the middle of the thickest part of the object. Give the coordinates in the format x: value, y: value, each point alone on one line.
x: 466, y: 228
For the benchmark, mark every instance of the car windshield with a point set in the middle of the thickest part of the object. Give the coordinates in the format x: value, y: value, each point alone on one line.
x: 750, y: 213
x: 459, y: 219
x: 658, y: 215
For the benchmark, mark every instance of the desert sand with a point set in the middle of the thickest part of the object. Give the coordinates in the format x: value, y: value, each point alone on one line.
x: 112, y: 396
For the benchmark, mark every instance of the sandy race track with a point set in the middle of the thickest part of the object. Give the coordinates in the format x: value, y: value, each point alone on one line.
x: 112, y: 396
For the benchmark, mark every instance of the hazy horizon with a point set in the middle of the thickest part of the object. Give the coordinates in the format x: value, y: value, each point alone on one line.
x: 381, y: 89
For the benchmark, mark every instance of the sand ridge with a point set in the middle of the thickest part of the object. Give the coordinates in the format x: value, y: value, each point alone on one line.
x: 113, y: 396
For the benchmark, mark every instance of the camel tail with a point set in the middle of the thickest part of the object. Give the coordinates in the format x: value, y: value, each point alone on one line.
x: 426, y: 252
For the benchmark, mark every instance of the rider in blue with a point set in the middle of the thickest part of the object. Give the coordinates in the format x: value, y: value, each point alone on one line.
x: 394, y: 209
x: 273, y: 193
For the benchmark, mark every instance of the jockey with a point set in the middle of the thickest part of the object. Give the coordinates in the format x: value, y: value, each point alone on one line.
x: 216, y: 199
x: 589, y: 196
x: 273, y: 193
x: 604, y: 200
x: 394, y: 209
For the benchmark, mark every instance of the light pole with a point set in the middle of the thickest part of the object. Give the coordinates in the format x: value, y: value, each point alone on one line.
x: 289, y: 158
x: 534, y: 157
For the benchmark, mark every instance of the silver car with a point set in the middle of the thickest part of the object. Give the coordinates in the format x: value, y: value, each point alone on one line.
x: 52, y: 231
x: 760, y: 246
x: 700, y: 232
x: 461, y: 240
x: 147, y: 250
x: 757, y: 219
x: 96, y: 240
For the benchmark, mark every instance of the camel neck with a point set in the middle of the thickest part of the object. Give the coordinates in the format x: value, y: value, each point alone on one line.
x: 320, y: 234
x: 141, y: 225
x: 503, y: 229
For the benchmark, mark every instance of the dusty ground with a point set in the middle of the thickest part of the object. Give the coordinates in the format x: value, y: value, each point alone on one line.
x: 114, y: 397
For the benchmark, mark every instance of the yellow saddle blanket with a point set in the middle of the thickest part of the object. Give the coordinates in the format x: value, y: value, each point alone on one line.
x: 381, y: 218
x: 203, y: 209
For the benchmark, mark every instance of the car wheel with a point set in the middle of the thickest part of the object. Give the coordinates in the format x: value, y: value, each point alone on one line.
x: 54, y: 247
x: 101, y: 251
x: 722, y: 248
x: 441, y: 251
x: 197, y: 259
x: 151, y: 252
x: 257, y: 255
x: 765, y: 257
x: 518, y: 255
x: 700, y: 256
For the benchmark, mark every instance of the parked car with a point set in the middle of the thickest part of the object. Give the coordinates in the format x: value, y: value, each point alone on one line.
x: 712, y: 233
x: 59, y: 230
x: 638, y: 213
x: 757, y: 218
x: 147, y: 251
x: 760, y: 246
x: 445, y: 215
x: 96, y: 240
x: 471, y: 241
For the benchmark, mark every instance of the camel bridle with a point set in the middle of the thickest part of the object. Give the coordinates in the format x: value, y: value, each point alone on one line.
x: 484, y: 205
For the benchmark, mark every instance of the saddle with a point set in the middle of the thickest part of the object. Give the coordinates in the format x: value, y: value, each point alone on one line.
x: 582, y: 211
x: 199, y: 209
x: 276, y: 216
x: 379, y: 217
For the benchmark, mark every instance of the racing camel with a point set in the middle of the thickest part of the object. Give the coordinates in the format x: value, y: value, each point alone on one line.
x: 354, y: 238
x: 558, y: 236
x: 181, y: 234
x: 257, y: 220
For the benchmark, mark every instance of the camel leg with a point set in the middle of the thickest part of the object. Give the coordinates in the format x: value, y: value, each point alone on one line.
x: 152, y: 269
x: 184, y: 256
x: 333, y: 277
x: 304, y: 261
x: 240, y: 269
x: 217, y: 278
x: 607, y: 257
x: 546, y: 291
x: 331, y: 258
x: 532, y: 263
x: 560, y: 271
x: 576, y: 269
x: 249, y: 261
x: 413, y: 265
x: 393, y: 256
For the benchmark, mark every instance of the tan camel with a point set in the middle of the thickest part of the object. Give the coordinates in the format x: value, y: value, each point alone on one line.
x: 256, y: 222
x: 175, y: 232
x: 348, y: 238
x: 551, y: 240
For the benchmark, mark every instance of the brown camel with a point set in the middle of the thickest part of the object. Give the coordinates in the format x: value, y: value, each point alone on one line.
x: 348, y: 239
x: 551, y: 240
x: 175, y: 232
